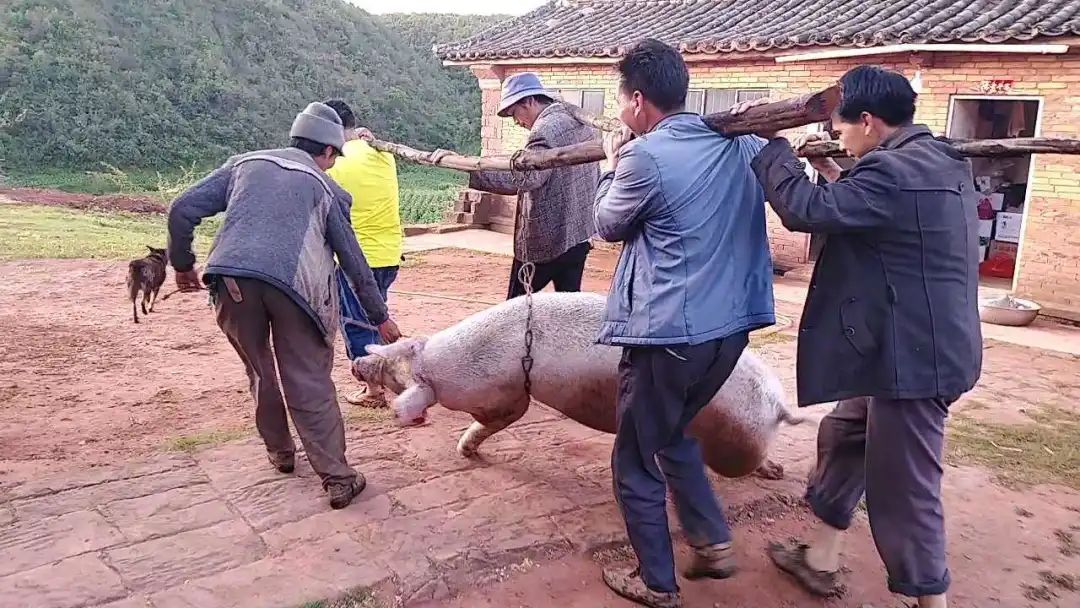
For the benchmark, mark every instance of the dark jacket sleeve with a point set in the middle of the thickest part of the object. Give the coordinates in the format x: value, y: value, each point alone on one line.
x: 625, y: 198
x: 859, y: 201
x: 208, y: 197
x: 342, y: 240
x: 502, y: 182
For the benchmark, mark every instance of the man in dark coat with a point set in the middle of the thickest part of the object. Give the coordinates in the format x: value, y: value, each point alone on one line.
x: 890, y: 328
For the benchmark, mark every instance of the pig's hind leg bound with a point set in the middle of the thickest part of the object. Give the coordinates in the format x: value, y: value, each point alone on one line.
x: 490, y: 422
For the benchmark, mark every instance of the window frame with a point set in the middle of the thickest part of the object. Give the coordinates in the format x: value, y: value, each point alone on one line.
x: 579, y: 98
x: 702, y: 105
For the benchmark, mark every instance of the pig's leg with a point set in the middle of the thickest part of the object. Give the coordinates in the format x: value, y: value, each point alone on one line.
x: 487, y: 425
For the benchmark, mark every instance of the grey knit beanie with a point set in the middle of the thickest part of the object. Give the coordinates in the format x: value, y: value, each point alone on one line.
x: 321, y: 124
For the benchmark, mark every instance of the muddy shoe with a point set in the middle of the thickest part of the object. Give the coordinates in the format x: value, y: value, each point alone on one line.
x: 627, y: 583
x: 341, y: 494
x: 284, y: 462
x: 366, y: 398
x: 712, y: 561
x: 791, y: 558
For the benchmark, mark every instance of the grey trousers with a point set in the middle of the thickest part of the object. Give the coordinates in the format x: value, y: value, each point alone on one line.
x: 891, y: 450
x: 304, y: 361
x: 660, y: 392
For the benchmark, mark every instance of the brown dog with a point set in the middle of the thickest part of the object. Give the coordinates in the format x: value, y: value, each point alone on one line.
x: 146, y: 275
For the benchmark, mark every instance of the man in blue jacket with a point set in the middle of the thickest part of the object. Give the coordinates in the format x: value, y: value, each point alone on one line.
x: 694, y: 279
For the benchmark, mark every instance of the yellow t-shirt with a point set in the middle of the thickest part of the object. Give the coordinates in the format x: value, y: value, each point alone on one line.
x: 370, y: 177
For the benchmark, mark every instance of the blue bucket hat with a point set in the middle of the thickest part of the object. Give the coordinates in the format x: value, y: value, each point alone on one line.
x: 520, y: 86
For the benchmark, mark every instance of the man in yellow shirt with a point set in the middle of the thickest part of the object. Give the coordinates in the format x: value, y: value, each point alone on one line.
x: 370, y: 177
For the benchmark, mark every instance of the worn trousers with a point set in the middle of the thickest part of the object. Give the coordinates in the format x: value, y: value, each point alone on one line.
x: 302, y: 358
x: 661, y: 389
x: 891, y: 451
x: 357, y: 338
x: 566, y: 271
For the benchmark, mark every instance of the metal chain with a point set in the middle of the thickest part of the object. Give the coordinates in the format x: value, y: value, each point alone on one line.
x: 528, y: 269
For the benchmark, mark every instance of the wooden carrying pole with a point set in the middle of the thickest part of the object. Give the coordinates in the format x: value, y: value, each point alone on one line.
x: 785, y: 114
x: 777, y: 116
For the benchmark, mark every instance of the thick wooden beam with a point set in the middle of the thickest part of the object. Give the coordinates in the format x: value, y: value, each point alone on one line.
x: 577, y: 154
x: 778, y: 116
x: 1017, y: 146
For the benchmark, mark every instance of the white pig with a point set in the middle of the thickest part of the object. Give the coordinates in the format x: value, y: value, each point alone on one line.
x: 475, y: 367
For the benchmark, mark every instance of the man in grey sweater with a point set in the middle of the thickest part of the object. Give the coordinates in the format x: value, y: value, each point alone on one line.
x: 271, y: 272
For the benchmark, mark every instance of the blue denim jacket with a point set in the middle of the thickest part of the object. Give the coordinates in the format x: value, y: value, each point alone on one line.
x: 695, y: 264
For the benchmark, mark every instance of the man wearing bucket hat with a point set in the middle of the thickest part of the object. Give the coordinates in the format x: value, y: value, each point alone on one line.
x: 271, y: 273
x: 558, y: 201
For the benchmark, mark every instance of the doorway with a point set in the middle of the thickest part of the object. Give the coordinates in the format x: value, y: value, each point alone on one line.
x: 1004, y: 183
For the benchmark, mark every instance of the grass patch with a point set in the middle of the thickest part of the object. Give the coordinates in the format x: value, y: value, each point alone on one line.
x: 412, y: 260
x: 360, y: 598
x: 774, y: 337
x: 37, y: 232
x: 412, y: 176
x: 109, y: 180
x: 425, y: 193
x: 1067, y: 582
x: 198, y: 441
x: 367, y: 415
x: 425, y: 206
x: 1067, y: 544
x: 1046, y: 450
x: 77, y: 181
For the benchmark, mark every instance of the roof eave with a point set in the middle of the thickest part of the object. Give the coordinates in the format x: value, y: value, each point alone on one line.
x: 1035, y: 44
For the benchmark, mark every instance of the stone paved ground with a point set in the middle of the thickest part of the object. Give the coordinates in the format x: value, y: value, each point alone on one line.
x: 221, y: 528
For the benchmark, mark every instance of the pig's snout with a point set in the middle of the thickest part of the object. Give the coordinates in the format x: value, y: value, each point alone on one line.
x: 409, y: 421
x: 410, y: 408
x: 355, y: 368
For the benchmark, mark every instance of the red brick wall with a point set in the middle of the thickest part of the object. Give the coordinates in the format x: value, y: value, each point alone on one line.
x: 1048, y: 265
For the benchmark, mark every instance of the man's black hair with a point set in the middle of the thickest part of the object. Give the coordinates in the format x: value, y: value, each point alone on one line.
x: 313, y: 148
x: 658, y: 71
x: 541, y: 99
x: 883, y: 93
x: 344, y: 112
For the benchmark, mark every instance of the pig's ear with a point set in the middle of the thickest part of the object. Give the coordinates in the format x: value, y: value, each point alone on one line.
x: 402, y: 348
x: 376, y: 349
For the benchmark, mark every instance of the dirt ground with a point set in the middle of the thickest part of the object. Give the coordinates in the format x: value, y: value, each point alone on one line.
x: 91, y: 387
x: 84, y: 387
x: 89, y: 202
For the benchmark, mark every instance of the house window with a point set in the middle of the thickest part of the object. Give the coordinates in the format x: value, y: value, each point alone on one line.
x: 590, y: 100
x: 711, y: 101
x: 695, y: 101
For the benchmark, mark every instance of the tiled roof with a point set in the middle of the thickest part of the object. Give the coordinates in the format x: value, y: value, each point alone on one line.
x: 603, y: 28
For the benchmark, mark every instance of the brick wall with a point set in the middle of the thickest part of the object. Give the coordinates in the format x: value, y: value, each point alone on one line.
x: 1048, y: 264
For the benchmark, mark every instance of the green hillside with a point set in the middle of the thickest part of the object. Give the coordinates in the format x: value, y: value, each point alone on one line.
x: 163, y: 83
x: 422, y: 31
